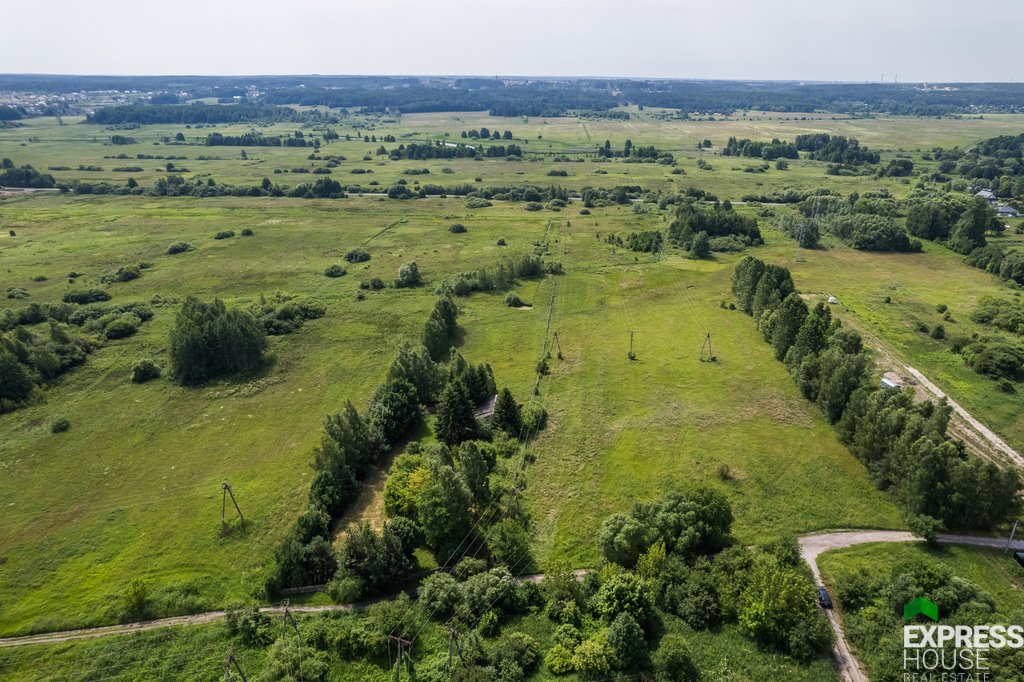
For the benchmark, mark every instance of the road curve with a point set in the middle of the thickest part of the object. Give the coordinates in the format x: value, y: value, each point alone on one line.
x: 813, y: 545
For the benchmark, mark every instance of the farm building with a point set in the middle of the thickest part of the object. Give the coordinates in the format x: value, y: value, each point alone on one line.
x: 987, y: 194
x: 891, y: 380
x: 1007, y: 212
x: 485, y: 410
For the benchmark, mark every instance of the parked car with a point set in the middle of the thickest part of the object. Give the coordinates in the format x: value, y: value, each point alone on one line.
x: 823, y: 599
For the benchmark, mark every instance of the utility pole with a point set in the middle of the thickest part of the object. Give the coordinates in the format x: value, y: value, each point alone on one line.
x: 558, y: 346
x: 286, y: 618
x: 228, y: 662
x: 707, y: 345
x: 631, y: 355
x: 1010, y: 541
x: 453, y: 647
x: 225, y: 491
x: 403, y: 646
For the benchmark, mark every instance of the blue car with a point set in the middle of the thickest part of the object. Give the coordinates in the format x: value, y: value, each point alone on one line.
x: 823, y: 599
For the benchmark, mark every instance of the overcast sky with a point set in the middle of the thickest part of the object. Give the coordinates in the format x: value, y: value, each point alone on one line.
x: 854, y: 40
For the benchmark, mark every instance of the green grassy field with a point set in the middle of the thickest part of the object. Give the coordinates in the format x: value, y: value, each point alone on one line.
x: 916, y: 284
x: 132, y: 489
x: 44, y: 143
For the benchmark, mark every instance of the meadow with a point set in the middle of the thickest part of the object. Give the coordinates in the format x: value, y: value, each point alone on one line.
x: 132, y: 489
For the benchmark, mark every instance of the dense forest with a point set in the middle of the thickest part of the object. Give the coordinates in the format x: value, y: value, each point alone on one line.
x: 538, y: 97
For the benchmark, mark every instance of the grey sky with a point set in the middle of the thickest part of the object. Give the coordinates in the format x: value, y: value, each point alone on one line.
x: 856, y: 40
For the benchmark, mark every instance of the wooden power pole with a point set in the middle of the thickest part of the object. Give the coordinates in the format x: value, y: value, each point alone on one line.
x: 707, y: 346
x: 225, y: 492
x: 403, y: 652
x: 228, y: 662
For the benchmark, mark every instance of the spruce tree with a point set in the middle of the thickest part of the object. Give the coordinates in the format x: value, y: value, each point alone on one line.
x: 508, y: 416
x: 456, y: 416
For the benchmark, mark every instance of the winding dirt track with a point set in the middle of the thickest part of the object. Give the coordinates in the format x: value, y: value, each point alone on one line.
x: 811, y: 546
x: 198, y: 619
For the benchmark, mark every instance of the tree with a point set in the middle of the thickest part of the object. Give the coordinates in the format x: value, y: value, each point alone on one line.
x: 625, y: 593
x: 377, y: 560
x: 510, y: 545
x: 15, y: 381
x: 774, y: 285
x: 508, y: 416
x: 970, y: 229
x: 595, y: 656
x: 626, y: 638
x: 673, y: 662
x: 209, y: 340
x: 776, y: 599
x: 347, y: 447
x: 443, y: 504
x: 409, y: 275
x: 393, y: 409
x: 927, y: 220
x: 474, y: 469
x: 785, y: 324
x: 812, y: 337
x: 745, y: 278
x: 456, y: 415
x: 701, y: 247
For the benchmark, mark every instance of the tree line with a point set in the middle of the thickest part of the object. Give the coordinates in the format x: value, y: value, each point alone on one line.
x: 903, y: 444
x: 769, y: 151
x: 190, y: 114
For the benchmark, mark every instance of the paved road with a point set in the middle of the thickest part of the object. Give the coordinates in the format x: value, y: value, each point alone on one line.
x: 811, y: 546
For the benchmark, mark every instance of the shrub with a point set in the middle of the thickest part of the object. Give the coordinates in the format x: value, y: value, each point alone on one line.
x: 345, y: 589
x: 533, y: 206
x: 477, y: 202
x: 122, y: 327
x: 83, y: 296
x: 409, y: 276
x: 535, y: 417
x: 224, y: 234
x: 145, y: 370
x: 672, y: 661
x: 127, y: 273
x: 501, y: 241
x: 179, y: 247
x: 441, y: 595
x: 938, y: 332
x: 335, y: 271
x: 457, y: 228
x: 941, y: 308
x: 60, y: 425
x: 374, y: 283
x: 513, y: 301
x: 247, y: 232
x: 16, y: 293
x: 136, y: 598
x: 357, y: 256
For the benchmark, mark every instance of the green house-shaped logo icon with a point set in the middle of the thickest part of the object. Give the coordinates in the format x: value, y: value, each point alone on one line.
x: 920, y: 606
